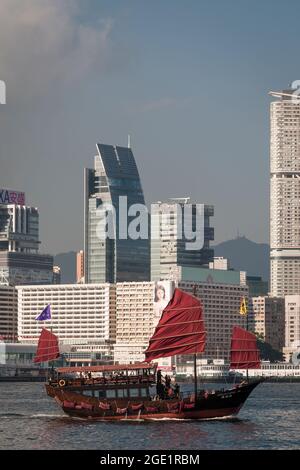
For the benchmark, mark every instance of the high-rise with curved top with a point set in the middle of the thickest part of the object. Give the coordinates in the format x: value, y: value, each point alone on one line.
x: 116, y: 257
x: 285, y: 193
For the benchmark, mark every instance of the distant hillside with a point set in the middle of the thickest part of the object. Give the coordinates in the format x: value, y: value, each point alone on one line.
x: 245, y: 255
x: 67, y: 263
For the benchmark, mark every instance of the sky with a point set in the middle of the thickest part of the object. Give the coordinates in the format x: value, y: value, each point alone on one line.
x: 188, y: 80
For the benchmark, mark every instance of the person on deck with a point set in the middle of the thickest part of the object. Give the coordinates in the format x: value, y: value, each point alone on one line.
x: 167, y: 381
x: 160, y: 390
x: 176, y: 390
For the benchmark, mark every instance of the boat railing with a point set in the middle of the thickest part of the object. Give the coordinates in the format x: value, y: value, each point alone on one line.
x: 115, y: 380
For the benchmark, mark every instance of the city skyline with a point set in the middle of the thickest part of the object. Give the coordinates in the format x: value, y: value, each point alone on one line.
x: 173, y: 93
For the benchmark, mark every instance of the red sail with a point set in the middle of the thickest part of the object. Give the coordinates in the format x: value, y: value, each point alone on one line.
x: 180, y: 329
x: 244, y: 351
x: 47, y: 349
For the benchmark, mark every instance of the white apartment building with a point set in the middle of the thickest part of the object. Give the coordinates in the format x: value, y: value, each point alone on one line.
x: 292, y: 326
x: 285, y: 194
x: 134, y: 314
x: 8, y: 313
x: 221, y: 303
x: 83, y: 318
x: 138, y: 309
x: 267, y: 318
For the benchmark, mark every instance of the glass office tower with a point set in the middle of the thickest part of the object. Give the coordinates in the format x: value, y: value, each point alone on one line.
x: 113, y: 259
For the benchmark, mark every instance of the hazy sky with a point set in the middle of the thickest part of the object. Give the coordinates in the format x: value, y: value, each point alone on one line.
x: 189, y: 81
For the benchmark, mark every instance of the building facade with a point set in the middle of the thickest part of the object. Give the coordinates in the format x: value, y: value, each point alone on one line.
x: 285, y: 194
x: 20, y: 261
x: 257, y: 286
x: 139, y: 307
x: 83, y: 318
x: 113, y: 182
x: 8, y: 313
x: 134, y: 315
x: 219, y: 262
x: 169, y: 241
x: 19, y: 228
x: 25, y: 268
x: 221, y: 304
x: 267, y: 319
x: 292, y: 326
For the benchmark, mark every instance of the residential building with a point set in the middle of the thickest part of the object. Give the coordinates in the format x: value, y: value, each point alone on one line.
x: 8, y: 313
x: 285, y: 193
x: 292, y: 326
x: 221, y: 304
x: 266, y: 317
x: 139, y: 307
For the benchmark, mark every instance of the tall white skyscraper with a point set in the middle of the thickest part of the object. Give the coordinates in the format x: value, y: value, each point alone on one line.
x: 285, y: 193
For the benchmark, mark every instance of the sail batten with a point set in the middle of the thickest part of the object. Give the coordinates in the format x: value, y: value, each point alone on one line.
x: 244, y: 351
x: 170, y: 347
x: 180, y: 329
x: 48, y: 348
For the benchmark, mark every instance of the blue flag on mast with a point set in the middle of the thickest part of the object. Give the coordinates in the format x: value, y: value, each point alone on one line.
x: 45, y: 314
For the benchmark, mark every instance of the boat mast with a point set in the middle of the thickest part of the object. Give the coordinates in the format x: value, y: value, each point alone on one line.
x: 247, y: 326
x: 195, y: 376
x: 195, y: 356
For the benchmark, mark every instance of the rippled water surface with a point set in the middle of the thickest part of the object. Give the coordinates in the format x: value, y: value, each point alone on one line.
x: 29, y: 419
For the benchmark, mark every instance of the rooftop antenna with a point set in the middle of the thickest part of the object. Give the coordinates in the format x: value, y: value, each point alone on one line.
x: 128, y: 144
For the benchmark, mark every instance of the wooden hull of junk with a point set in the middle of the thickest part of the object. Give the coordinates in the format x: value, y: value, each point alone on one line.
x: 217, y: 404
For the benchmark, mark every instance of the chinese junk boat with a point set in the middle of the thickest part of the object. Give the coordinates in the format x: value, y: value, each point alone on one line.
x: 118, y: 392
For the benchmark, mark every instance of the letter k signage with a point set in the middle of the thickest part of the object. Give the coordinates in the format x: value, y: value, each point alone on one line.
x: 2, y: 92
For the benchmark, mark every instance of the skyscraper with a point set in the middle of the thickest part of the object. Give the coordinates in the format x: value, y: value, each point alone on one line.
x: 285, y: 193
x: 169, y: 244
x: 20, y: 261
x: 118, y: 258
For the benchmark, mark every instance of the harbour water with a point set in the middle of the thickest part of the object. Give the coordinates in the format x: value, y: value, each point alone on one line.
x: 31, y: 420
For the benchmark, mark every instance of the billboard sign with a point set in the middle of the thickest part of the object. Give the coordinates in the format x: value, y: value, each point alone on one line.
x: 163, y: 292
x: 8, y: 196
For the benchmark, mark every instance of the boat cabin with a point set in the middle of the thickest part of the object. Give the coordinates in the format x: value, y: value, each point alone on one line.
x: 110, y: 382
